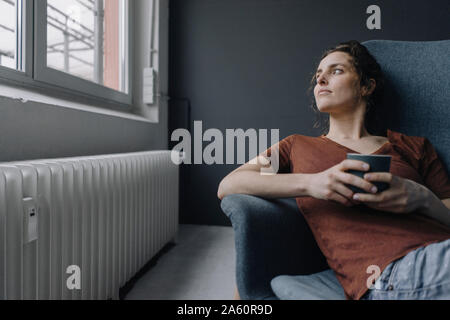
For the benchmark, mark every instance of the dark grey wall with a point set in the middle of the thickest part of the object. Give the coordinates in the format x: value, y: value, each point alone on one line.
x: 247, y: 64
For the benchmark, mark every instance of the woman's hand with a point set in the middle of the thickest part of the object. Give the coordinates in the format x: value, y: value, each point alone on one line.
x: 403, y: 195
x: 331, y: 183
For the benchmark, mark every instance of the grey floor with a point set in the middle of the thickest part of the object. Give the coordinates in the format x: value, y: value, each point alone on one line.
x: 200, y: 266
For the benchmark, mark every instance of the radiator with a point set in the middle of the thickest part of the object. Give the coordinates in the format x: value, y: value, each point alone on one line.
x: 105, y: 215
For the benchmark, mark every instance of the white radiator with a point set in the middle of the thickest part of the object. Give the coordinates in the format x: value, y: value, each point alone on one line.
x: 108, y: 215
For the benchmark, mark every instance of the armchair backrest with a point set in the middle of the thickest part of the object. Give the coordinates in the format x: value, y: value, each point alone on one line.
x: 416, y: 99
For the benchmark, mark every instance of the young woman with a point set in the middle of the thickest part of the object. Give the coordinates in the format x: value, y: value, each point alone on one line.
x: 404, y: 230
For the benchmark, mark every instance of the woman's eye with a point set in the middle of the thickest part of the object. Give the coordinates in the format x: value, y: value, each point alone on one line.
x: 334, y: 71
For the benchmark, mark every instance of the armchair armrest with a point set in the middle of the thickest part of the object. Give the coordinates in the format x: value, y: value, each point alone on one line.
x: 271, y: 238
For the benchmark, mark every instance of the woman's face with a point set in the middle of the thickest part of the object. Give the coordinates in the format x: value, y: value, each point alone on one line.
x: 337, y: 84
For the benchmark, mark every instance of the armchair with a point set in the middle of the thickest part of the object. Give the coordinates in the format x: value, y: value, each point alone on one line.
x: 272, y: 237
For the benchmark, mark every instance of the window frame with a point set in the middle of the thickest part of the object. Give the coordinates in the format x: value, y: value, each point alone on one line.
x: 37, y: 75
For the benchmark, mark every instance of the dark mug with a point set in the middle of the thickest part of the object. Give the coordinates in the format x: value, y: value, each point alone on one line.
x: 377, y: 163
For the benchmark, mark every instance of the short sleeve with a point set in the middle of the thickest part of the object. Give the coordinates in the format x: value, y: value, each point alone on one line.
x: 283, y: 148
x: 434, y: 172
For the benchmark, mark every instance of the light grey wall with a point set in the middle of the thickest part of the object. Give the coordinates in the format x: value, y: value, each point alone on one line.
x: 33, y: 130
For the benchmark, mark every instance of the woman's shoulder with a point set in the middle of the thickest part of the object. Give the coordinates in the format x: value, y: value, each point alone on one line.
x: 414, y: 144
x: 297, y: 138
x: 396, y: 135
x: 302, y: 137
x: 302, y: 142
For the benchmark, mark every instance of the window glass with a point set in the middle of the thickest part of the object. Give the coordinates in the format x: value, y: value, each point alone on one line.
x: 10, y: 34
x: 86, y: 38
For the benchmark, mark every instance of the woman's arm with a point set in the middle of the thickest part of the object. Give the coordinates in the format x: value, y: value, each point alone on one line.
x: 405, y: 196
x: 446, y: 202
x: 435, y: 208
x: 248, y: 179
x: 327, y: 185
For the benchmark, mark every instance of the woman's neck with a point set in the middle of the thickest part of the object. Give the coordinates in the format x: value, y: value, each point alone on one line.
x: 350, y: 127
x: 348, y: 123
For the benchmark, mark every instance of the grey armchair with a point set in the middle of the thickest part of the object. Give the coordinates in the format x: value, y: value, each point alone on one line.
x: 272, y: 237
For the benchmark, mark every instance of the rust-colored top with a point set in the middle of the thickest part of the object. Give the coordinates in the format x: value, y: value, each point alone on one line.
x: 354, y: 238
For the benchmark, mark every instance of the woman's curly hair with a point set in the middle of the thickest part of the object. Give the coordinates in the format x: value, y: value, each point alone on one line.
x: 367, y: 68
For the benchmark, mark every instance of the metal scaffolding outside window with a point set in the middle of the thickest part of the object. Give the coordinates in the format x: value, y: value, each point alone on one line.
x: 76, y: 42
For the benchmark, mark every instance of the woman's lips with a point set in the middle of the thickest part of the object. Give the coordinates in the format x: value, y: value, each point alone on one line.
x: 324, y: 92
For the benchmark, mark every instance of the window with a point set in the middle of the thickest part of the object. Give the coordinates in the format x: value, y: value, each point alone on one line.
x: 83, y: 39
x: 9, y: 34
x: 80, y: 46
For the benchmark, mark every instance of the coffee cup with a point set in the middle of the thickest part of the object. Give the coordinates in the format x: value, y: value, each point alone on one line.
x: 377, y: 163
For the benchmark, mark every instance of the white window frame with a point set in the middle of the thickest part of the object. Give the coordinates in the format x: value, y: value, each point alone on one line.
x: 54, y: 82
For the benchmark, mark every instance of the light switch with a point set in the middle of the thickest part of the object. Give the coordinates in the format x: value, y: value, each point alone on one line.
x: 149, y: 80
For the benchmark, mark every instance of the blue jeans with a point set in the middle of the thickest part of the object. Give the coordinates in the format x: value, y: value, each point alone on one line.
x: 423, y: 273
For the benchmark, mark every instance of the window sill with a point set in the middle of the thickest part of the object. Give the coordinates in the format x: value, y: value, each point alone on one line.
x: 25, y: 95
